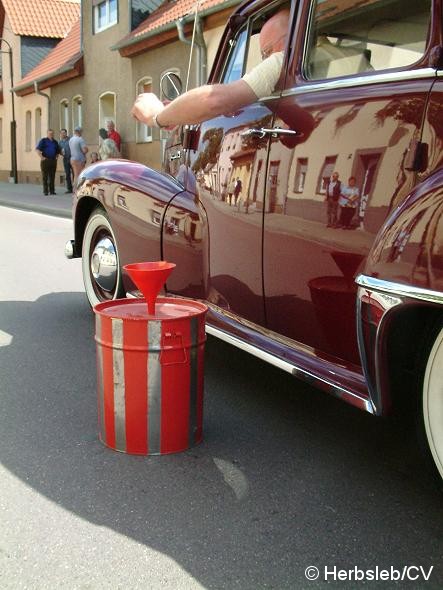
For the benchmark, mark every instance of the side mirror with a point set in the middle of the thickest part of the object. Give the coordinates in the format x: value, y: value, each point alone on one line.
x: 171, y: 86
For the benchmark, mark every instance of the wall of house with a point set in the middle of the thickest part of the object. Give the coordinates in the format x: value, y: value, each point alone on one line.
x: 106, y: 72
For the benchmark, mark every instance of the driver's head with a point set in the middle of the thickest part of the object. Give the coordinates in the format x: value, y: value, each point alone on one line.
x: 273, y: 33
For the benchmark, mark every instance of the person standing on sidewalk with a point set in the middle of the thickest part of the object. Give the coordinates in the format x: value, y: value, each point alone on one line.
x: 79, y: 149
x: 114, y: 135
x: 333, y: 191
x: 66, y: 153
x: 48, y: 151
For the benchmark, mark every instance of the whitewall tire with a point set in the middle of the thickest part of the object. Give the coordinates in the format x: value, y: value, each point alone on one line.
x: 101, y: 268
x: 433, y: 402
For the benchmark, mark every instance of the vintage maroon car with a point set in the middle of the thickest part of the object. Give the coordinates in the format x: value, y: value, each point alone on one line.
x: 352, y: 303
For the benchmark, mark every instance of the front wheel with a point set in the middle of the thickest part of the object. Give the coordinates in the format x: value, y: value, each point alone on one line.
x: 102, y: 275
x: 433, y: 401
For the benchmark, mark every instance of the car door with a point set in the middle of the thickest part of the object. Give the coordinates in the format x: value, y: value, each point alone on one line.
x: 229, y: 168
x: 355, y: 94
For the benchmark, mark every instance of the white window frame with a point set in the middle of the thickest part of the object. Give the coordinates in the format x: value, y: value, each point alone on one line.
x: 143, y: 133
x: 64, y: 114
x: 77, y: 111
x: 104, y: 118
x: 109, y: 22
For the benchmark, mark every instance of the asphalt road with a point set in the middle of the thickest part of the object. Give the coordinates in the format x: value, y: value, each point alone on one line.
x: 286, y: 477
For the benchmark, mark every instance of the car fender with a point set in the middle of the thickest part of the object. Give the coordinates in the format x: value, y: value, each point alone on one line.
x: 403, y: 272
x: 135, y: 198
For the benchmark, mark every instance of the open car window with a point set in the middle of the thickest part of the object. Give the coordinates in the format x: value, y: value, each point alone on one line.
x: 348, y: 37
x: 245, y: 52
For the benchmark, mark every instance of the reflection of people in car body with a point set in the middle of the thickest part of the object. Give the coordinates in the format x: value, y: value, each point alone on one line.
x: 206, y: 102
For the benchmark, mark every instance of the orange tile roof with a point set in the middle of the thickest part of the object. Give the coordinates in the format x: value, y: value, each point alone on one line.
x: 167, y: 14
x: 63, y: 58
x: 42, y: 18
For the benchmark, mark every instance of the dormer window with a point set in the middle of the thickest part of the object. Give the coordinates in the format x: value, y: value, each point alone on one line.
x: 105, y: 14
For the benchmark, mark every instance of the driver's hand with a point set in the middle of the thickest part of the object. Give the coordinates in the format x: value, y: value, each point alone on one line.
x: 145, y: 107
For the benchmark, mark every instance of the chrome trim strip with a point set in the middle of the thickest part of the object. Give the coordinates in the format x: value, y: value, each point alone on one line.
x: 288, y: 367
x: 379, y: 78
x: 399, y: 289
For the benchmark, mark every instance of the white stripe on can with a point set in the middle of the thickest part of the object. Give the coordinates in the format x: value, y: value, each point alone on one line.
x: 119, y: 384
x: 154, y: 392
x: 100, y: 386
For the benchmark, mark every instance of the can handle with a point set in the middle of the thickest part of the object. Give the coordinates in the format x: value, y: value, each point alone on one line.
x: 170, y: 350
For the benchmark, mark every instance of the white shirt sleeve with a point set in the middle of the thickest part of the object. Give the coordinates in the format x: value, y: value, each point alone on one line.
x: 263, y: 78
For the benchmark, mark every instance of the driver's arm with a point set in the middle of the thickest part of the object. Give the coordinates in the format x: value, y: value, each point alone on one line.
x: 195, y: 106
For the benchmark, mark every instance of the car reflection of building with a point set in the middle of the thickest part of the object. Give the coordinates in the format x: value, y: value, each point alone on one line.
x: 310, y: 169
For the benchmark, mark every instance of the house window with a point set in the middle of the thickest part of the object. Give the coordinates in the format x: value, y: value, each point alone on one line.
x: 77, y: 112
x: 143, y: 132
x: 38, y: 124
x: 64, y: 114
x: 300, y: 175
x: 106, y: 109
x: 326, y: 173
x: 140, y: 10
x: 105, y: 14
x: 28, y: 119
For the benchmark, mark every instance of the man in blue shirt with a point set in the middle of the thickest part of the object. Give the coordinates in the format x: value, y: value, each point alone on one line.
x: 48, y: 151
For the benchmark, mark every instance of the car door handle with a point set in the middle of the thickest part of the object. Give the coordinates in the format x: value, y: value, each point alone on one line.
x: 275, y: 132
x: 176, y: 156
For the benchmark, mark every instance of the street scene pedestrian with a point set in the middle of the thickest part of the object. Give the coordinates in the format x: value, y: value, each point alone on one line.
x: 333, y: 190
x: 94, y: 157
x: 348, y: 202
x: 113, y: 134
x: 48, y: 151
x: 108, y: 149
x: 79, y: 149
x: 65, y: 151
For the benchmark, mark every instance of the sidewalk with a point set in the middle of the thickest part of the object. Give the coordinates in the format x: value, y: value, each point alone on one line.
x: 30, y: 197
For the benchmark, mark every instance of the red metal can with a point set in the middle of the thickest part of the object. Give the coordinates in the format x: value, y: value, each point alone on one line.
x: 150, y: 375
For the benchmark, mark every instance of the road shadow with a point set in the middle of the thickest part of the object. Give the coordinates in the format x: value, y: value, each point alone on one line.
x: 286, y: 476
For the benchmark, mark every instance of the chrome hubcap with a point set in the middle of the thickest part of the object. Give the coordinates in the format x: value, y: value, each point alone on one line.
x: 104, y: 265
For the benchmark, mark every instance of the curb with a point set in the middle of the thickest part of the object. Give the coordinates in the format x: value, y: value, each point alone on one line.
x: 36, y: 208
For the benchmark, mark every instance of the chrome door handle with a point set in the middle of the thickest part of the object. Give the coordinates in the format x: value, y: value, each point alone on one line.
x: 176, y: 156
x: 275, y: 132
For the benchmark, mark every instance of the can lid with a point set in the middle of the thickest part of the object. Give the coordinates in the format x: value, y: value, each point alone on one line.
x: 166, y: 308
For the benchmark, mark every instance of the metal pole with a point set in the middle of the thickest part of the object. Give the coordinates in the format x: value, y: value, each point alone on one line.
x: 13, y: 122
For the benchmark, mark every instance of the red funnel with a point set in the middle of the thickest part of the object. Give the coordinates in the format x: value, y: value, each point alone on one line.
x: 150, y: 278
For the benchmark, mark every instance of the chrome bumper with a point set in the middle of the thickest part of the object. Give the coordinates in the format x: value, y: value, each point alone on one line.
x: 70, y: 249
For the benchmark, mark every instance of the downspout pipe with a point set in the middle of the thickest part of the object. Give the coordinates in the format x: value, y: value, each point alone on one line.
x: 202, y: 66
x: 48, y: 98
x: 203, y: 51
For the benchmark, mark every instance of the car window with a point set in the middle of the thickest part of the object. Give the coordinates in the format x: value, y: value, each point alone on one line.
x: 245, y: 51
x: 348, y: 37
x: 234, y: 68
